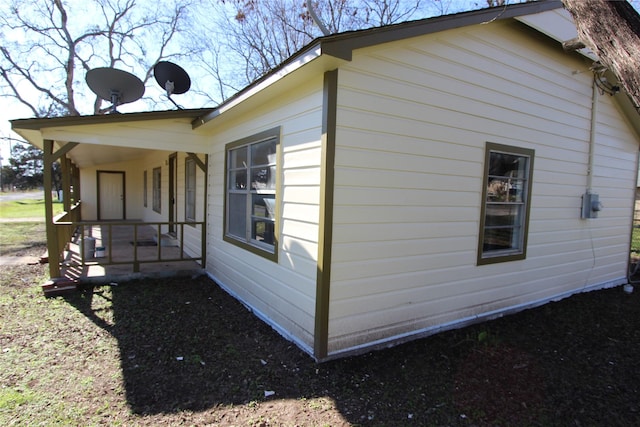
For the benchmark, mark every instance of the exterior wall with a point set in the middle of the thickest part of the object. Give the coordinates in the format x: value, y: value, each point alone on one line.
x: 134, y: 189
x: 282, y: 292
x: 413, y: 119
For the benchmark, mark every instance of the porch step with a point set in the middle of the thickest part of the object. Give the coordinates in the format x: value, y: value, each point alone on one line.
x: 59, y: 286
x: 166, y: 239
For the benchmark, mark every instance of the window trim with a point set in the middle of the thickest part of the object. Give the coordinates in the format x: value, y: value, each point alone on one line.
x: 270, y: 253
x: 156, y: 189
x: 190, y: 164
x: 512, y: 255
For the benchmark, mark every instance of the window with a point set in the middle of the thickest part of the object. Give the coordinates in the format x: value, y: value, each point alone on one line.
x: 506, y: 203
x: 190, y: 189
x: 144, y: 188
x: 157, y: 193
x: 250, y: 209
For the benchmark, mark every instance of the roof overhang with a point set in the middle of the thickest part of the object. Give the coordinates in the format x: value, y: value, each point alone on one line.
x: 115, y: 137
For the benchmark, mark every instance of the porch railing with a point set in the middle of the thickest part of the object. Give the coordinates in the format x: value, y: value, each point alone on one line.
x: 64, y: 227
x: 79, y: 232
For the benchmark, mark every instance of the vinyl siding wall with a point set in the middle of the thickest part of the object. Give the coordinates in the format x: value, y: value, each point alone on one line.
x: 413, y: 119
x: 283, y: 292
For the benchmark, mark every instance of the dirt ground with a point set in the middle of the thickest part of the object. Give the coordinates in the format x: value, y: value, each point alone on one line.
x: 183, y: 352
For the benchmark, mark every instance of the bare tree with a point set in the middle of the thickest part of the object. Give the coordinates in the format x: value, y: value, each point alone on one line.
x: 47, y: 46
x: 258, y: 35
x: 612, y: 30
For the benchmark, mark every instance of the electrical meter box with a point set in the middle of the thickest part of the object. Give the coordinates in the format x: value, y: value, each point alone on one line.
x: 590, y: 205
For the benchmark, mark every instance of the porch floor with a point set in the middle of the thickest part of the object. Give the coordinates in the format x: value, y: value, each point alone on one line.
x: 119, y: 258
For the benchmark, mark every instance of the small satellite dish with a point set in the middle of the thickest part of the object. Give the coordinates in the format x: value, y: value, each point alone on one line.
x: 172, y: 78
x: 114, y: 85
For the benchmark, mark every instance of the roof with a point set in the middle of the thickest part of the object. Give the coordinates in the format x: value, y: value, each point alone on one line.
x: 40, y: 123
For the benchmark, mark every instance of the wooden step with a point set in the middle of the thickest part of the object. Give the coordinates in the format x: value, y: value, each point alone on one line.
x: 59, y: 286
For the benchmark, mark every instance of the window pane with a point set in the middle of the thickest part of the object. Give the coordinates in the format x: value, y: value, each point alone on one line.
x: 190, y: 189
x: 501, y: 238
x: 238, y: 179
x: 157, y: 190
x: 263, y: 153
x: 264, y: 206
x: 505, y: 190
x: 508, y: 165
x: 238, y: 158
x: 262, y: 231
x: 263, y: 178
x: 503, y: 215
x: 237, y: 216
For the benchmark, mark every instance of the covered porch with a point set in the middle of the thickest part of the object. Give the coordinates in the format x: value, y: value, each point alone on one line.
x: 100, y: 252
x: 134, y: 195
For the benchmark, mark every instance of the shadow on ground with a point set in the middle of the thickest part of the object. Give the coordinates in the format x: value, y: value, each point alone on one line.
x: 187, y: 345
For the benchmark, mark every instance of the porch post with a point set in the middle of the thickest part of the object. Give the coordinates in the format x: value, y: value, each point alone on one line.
x: 52, y: 236
x: 203, y: 239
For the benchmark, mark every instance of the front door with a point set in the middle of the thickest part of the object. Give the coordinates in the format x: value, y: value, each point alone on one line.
x: 173, y: 173
x: 111, y: 203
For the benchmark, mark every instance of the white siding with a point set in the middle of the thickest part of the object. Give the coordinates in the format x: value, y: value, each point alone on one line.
x: 413, y: 119
x: 284, y: 292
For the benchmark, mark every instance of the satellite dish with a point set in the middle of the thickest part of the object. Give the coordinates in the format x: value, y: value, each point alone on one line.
x: 172, y: 78
x: 114, y: 85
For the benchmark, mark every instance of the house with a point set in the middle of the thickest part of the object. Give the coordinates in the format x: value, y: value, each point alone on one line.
x: 386, y: 184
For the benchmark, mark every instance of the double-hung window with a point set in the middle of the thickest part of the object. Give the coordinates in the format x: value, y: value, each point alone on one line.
x: 250, y: 211
x: 506, y: 203
x: 190, y: 189
x: 157, y: 189
x: 144, y: 190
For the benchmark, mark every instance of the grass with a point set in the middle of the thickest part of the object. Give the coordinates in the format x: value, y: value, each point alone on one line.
x: 27, y: 208
x: 18, y: 237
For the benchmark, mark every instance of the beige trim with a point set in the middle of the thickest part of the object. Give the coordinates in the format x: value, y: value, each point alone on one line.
x: 323, y: 279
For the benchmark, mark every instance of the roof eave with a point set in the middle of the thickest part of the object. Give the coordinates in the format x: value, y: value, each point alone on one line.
x: 342, y: 45
x: 41, y: 123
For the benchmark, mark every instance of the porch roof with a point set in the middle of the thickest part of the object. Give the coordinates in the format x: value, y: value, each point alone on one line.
x: 116, y: 137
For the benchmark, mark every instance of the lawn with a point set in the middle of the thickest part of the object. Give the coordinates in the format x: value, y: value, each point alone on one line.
x: 183, y: 352
x: 27, y: 208
x: 22, y: 235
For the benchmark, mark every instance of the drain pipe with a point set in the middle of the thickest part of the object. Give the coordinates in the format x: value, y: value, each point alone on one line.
x: 592, y: 133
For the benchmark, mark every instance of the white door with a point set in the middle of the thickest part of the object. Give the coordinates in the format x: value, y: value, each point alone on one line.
x: 110, y: 195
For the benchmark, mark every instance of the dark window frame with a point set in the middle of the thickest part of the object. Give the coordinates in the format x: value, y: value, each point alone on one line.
x: 144, y: 188
x: 260, y: 208
x: 157, y: 189
x: 516, y: 198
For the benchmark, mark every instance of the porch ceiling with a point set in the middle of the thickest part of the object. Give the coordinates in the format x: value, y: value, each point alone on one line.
x: 86, y: 155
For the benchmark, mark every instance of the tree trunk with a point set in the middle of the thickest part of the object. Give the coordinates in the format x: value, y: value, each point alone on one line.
x: 611, y: 29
